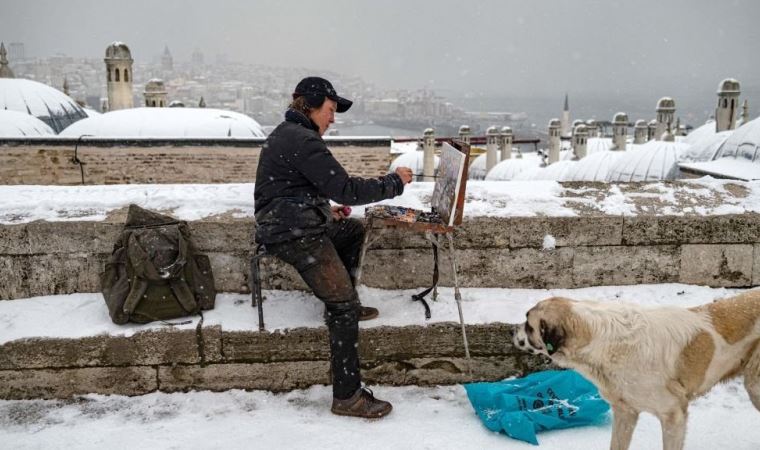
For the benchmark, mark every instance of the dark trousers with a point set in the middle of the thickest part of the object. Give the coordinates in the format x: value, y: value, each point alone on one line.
x: 327, y: 263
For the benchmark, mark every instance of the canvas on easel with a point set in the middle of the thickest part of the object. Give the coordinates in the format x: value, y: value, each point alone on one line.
x: 450, y: 185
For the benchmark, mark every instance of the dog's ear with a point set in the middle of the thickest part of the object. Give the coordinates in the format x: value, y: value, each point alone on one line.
x: 553, y: 336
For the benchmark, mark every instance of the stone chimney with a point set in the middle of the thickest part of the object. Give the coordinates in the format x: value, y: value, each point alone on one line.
x: 464, y: 134
x: 640, y: 132
x: 555, y: 128
x: 506, y: 143
x: 428, y: 155
x: 619, y: 131
x: 666, y: 109
x: 492, y: 148
x: 728, y: 105
x: 580, y: 141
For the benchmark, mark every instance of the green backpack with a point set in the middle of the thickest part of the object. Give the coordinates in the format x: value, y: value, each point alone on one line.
x: 155, y: 272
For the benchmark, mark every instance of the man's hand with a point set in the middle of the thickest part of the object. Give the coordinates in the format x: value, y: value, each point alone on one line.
x: 340, y: 212
x: 405, y: 173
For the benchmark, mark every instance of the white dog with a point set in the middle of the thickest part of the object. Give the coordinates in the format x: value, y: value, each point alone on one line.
x: 650, y: 359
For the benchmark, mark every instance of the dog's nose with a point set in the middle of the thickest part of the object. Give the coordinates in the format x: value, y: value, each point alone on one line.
x: 521, y: 343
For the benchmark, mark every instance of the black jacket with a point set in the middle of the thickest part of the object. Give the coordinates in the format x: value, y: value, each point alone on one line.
x: 297, y: 176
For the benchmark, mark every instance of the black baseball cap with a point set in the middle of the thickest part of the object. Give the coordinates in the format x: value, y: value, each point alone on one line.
x: 315, y: 89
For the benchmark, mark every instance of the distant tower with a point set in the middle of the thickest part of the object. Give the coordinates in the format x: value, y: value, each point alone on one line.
x: 565, y: 120
x: 5, y: 71
x: 744, y: 118
x: 619, y: 131
x: 464, y: 134
x: 197, y: 58
x: 506, y: 143
x: 640, y: 132
x: 167, y: 62
x: 580, y: 141
x: 202, y: 102
x: 728, y: 105
x: 492, y: 147
x: 554, y: 132
x: 65, y: 86
x: 155, y: 94
x: 428, y: 154
x: 593, y: 128
x: 651, y: 129
x: 666, y: 109
x: 119, y: 66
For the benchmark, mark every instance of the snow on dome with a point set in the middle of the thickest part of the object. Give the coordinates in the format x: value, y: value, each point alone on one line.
x: 666, y: 104
x: 412, y: 160
x: 405, y: 147
x: 118, y: 50
x: 477, y: 170
x: 593, y: 167
x: 552, y: 172
x: 655, y: 160
x: 509, y: 168
x: 706, y: 148
x: 91, y: 112
x: 155, y: 85
x: 167, y: 122
x: 700, y: 133
x: 729, y: 86
x: 16, y: 124
x: 743, y: 143
x: 49, y: 105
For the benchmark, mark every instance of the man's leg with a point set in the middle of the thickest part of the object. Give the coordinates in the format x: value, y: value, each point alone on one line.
x: 316, y: 260
x: 347, y: 236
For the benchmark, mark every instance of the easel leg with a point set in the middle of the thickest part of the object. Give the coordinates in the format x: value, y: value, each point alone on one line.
x: 367, y: 234
x: 458, y: 298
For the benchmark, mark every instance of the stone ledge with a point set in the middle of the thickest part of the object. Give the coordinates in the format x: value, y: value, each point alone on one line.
x: 64, y: 383
x: 726, y: 229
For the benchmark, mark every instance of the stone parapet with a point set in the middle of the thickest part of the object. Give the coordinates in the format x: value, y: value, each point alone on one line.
x: 45, y: 258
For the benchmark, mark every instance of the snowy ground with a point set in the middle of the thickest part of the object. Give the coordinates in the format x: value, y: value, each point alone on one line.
x: 704, y: 196
x: 439, y: 417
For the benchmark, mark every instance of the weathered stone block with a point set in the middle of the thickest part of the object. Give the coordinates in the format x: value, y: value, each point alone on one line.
x: 51, y: 274
x: 64, y: 383
x: 756, y: 267
x: 230, y: 271
x: 567, y: 231
x: 13, y: 240
x: 144, y: 348
x: 276, y: 377
x: 596, y: 266
x: 712, y: 229
x: 228, y: 236
x: 72, y: 237
x: 13, y: 277
x: 436, y: 371
x: 717, y: 265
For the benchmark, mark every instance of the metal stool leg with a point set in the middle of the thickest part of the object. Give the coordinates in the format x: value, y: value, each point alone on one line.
x: 257, y: 300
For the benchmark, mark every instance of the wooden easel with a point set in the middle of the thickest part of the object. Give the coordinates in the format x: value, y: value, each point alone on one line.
x: 432, y: 232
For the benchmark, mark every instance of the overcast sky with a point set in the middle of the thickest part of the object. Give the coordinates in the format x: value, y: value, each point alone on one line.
x: 525, y: 48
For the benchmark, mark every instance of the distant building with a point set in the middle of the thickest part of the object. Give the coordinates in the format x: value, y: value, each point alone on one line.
x: 16, y: 51
x: 197, y: 58
x: 155, y: 94
x: 167, y: 61
x: 119, y: 76
x: 5, y: 70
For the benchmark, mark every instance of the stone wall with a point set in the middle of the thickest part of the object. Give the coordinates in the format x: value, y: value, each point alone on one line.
x: 210, y: 358
x: 44, y: 258
x: 135, y: 161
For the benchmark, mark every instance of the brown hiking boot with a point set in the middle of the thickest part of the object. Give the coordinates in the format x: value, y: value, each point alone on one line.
x: 368, y: 313
x: 362, y: 404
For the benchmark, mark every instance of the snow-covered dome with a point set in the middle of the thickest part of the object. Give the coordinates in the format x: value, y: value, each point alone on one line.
x: 118, y: 50
x: 666, y: 104
x: 593, y: 167
x: 743, y: 143
x: 167, y: 122
x: 50, y: 105
x: 412, y: 160
x: 729, y: 86
x: 155, y: 86
x: 700, y: 133
x: 552, y: 172
x: 509, y: 168
x: 655, y: 160
x: 477, y: 170
x: 16, y: 124
x: 706, y: 148
x: 91, y: 112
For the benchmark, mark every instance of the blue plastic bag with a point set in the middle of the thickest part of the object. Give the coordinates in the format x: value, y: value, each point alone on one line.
x: 549, y: 400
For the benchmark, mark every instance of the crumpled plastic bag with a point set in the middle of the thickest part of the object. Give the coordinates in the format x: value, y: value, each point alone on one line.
x: 549, y: 400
